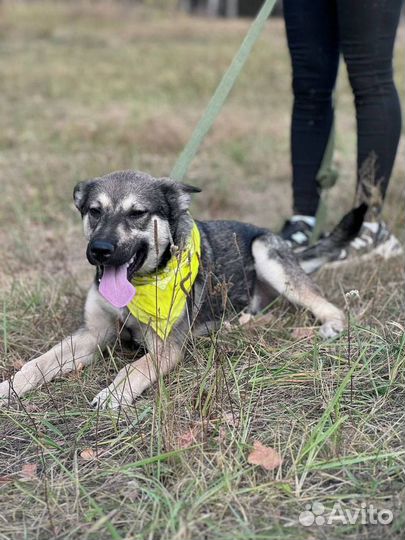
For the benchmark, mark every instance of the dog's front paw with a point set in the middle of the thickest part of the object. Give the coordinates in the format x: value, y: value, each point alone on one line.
x: 5, y: 393
x: 111, y: 398
x: 331, y: 328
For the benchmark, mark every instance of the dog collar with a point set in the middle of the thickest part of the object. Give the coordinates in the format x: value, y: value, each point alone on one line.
x: 160, y: 298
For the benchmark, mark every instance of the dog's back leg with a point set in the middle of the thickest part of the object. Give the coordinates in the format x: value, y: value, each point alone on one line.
x: 78, y: 349
x: 278, y: 270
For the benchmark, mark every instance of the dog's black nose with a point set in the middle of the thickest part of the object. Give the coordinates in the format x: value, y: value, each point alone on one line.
x: 101, y: 250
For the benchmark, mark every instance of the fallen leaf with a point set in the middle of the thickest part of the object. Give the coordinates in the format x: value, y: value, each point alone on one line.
x: 188, y: 438
x: 245, y: 318
x: 257, y: 321
x: 231, y: 419
x: 77, y: 372
x: 227, y: 326
x: 88, y: 454
x: 133, y: 490
x: 29, y: 471
x: 31, y: 407
x: 222, y: 435
x: 265, y: 456
x: 18, y: 363
x: 303, y: 332
x: 6, y: 479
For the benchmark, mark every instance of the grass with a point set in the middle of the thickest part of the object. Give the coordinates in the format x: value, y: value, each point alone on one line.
x: 88, y: 88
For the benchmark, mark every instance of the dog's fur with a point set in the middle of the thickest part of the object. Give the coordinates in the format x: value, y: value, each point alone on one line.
x: 241, y: 267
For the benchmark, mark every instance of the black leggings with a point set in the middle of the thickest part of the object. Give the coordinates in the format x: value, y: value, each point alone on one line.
x: 364, y: 31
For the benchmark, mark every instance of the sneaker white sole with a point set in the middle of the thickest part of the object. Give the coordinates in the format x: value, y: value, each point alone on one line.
x: 386, y: 250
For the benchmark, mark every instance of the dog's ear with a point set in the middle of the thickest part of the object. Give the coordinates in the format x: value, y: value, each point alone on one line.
x: 80, y: 193
x: 189, y: 189
x: 178, y: 194
x: 185, y: 195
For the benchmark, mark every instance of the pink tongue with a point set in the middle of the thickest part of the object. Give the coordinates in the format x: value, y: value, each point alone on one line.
x: 115, y: 287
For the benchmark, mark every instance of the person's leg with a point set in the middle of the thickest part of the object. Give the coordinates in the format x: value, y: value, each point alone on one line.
x: 367, y: 30
x: 313, y: 43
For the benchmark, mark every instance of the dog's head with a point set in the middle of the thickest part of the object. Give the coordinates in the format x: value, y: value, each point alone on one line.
x: 131, y: 218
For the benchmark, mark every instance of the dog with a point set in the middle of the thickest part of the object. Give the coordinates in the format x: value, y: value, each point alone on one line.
x: 165, y: 277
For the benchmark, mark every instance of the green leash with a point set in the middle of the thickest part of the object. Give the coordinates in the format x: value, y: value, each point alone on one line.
x: 327, y: 177
x: 221, y: 93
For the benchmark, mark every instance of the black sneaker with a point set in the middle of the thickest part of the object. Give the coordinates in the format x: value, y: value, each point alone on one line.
x: 373, y: 240
x: 297, y: 231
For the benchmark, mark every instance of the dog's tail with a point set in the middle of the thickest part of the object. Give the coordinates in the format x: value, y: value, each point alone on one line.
x: 329, y: 248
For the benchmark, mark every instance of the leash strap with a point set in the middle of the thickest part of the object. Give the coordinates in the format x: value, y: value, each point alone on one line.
x: 221, y: 93
x: 327, y: 177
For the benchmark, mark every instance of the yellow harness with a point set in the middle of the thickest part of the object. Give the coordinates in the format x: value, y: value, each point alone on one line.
x: 160, y: 298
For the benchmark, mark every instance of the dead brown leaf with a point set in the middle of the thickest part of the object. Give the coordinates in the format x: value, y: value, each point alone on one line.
x: 303, y: 332
x: 76, y: 373
x: 88, y: 454
x: 265, y: 456
x: 245, y: 318
x: 18, y: 363
x: 250, y: 321
x: 133, y: 490
x: 231, y: 419
x: 188, y: 438
x: 222, y: 435
x: 29, y: 471
x: 31, y: 407
x: 5, y: 479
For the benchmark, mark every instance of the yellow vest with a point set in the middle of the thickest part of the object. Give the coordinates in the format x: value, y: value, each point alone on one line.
x: 160, y: 298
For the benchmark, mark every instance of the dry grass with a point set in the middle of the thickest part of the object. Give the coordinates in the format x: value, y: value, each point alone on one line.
x: 92, y: 87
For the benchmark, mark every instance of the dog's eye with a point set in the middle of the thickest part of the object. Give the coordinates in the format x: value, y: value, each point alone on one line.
x: 95, y: 212
x: 135, y: 214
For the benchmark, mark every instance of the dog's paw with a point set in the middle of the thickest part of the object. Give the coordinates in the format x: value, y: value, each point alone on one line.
x: 5, y: 394
x: 332, y: 328
x: 111, y: 399
x: 4, y: 388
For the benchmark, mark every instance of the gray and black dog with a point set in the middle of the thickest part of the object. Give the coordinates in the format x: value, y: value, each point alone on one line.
x: 132, y: 221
